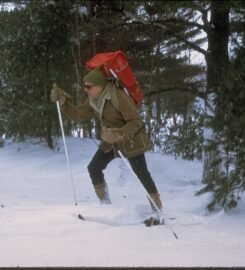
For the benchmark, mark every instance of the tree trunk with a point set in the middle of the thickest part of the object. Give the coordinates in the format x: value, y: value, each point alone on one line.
x: 218, y: 37
x: 217, y: 62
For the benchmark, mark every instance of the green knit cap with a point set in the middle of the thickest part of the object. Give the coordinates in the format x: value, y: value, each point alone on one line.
x: 96, y: 77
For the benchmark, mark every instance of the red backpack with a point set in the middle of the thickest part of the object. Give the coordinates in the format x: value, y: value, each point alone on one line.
x: 116, y: 64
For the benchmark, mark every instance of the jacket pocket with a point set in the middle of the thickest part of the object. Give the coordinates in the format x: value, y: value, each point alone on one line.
x: 134, y: 146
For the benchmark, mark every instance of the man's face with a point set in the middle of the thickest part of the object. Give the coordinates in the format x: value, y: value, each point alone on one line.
x: 93, y: 91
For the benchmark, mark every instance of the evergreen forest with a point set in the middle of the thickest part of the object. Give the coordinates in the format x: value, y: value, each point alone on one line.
x: 188, y: 57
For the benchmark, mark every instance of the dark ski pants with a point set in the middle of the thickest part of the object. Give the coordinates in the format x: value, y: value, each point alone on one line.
x: 100, y: 161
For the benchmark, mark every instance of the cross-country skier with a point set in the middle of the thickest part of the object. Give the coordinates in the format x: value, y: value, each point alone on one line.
x: 121, y: 129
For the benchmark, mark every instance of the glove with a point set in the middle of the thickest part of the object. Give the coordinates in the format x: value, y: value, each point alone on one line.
x: 57, y: 94
x: 112, y: 135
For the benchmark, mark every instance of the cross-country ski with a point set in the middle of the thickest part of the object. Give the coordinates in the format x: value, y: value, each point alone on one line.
x: 152, y: 221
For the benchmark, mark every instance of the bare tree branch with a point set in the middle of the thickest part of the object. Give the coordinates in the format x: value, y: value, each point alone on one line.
x: 167, y: 29
x: 186, y: 88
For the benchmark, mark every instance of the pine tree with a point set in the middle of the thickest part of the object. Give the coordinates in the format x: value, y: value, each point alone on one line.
x: 226, y: 176
x: 36, y: 52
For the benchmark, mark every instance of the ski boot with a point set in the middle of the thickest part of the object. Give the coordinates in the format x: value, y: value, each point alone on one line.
x: 156, y: 217
x: 102, y: 193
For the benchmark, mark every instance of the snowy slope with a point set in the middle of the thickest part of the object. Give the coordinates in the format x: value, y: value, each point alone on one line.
x: 39, y: 224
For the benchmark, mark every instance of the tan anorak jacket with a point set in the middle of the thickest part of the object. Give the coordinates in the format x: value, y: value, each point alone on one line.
x: 115, y: 110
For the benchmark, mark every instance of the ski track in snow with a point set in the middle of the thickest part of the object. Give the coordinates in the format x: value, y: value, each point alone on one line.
x: 39, y: 224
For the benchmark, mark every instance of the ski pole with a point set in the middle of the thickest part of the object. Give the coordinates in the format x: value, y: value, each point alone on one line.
x: 66, y: 153
x: 147, y: 194
x: 116, y: 77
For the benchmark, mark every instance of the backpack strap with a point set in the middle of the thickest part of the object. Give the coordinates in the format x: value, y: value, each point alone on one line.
x: 114, y: 97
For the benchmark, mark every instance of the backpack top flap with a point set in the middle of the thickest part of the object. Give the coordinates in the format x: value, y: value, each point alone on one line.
x: 116, y: 64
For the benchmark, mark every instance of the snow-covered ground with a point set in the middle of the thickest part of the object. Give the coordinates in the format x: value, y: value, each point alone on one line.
x: 39, y: 224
